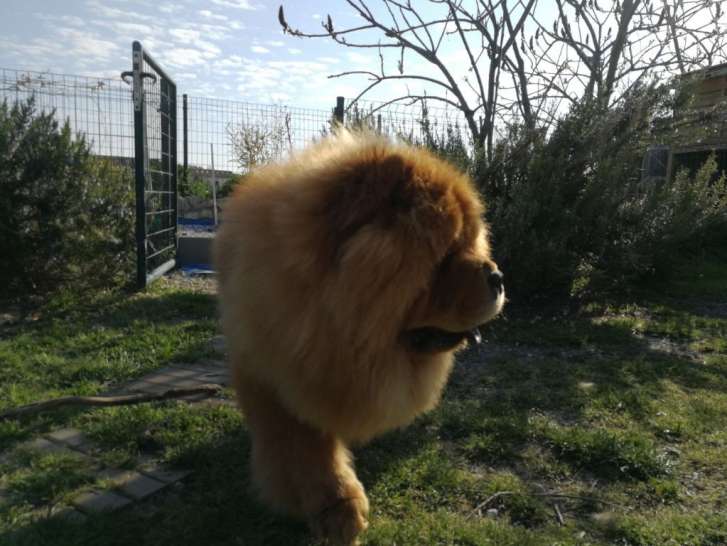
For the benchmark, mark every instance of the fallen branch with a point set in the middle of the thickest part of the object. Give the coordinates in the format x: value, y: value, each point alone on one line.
x: 103, y: 401
x: 489, y: 499
x: 499, y: 494
x: 580, y: 498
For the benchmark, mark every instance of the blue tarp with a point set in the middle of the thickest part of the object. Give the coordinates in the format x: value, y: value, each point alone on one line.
x: 197, y: 224
x: 197, y: 269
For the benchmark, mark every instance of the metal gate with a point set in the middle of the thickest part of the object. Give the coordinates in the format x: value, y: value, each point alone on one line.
x: 155, y: 150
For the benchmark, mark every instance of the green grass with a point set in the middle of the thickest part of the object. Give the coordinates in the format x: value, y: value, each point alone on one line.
x: 87, y: 346
x: 615, y: 416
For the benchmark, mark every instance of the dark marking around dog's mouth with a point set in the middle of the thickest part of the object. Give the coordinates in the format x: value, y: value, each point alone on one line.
x: 436, y: 340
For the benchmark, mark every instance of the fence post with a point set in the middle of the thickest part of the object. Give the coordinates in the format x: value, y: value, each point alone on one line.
x: 338, y: 110
x: 185, y: 182
x: 137, y: 57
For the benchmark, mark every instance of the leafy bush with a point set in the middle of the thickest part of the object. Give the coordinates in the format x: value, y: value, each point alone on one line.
x: 198, y: 188
x: 66, y: 218
x: 257, y: 144
x: 229, y: 185
x: 570, y: 206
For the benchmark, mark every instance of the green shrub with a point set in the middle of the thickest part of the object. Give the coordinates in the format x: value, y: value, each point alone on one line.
x: 198, y: 188
x: 570, y: 206
x: 229, y: 185
x: 66, y: 218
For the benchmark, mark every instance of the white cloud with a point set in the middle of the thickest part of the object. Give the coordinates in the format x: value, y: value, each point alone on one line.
x: 183, y: 56
x: 39, y: 49
x: 294, y: 51
x: 240, y: 4
x: 131, y: 28
x: 212, y: 32
x: 52, y: 50
x: 233, y: 61
x: 359, y: 58
x: 191, y: 39
x: 184, y: 34
x: 210, y: 15
x: 301, y: 68
x: 170, y: 8
x: 316, y: 16
x: 236, y: 25
x: 115, y: 13
x: 266, y: 81
x: 71, y: 20
x: 208, y: 49
x: 275, y: 43
x: 87, y: 44
x: 259, y: 49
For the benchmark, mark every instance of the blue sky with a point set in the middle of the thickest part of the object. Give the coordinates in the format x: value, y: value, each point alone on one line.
x: 230, y: 49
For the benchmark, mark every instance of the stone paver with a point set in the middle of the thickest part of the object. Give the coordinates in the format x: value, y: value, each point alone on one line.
x: 70, y: 514
x: 132, y: 483
x: 71, y: 437
x: 163, y: 474
x: 42, y: 445
x: 150, y: 476
x: 221, y: 377
x: 93, y: 502
x: 171, y: 371
x: 181, y: 376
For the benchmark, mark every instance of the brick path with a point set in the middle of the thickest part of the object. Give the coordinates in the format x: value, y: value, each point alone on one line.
x: 115, y: 488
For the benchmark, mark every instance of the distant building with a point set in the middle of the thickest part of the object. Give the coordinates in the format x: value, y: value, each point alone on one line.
x: 712, y: 89
x: 706, y: 119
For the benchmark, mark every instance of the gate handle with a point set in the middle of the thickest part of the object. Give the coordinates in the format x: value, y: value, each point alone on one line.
x: 130, y: 74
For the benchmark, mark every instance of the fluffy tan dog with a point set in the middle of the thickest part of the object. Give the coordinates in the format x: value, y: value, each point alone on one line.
x: 349, y: 275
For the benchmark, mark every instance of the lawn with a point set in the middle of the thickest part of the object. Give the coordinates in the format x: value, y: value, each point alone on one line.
x: 606, y: 425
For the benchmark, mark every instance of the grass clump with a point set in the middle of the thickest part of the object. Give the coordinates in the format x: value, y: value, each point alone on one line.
x: 613, y: 455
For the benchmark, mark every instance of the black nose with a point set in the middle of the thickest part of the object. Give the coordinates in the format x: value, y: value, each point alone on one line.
x: 494, y: 279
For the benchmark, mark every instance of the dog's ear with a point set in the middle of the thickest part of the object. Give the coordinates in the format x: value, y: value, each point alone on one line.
x: 375, y: 189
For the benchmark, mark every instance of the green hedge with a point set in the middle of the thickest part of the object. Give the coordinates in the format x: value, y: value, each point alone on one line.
x: 569, y: 207
x: 66, y: 218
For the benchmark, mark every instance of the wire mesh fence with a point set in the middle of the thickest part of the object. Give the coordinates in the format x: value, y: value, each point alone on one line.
x: 99, y: 108
x: 244, y: 134
x: 239, y: 134
x: 417, y: 121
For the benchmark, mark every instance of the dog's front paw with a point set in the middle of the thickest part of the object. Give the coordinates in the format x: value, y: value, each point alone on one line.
x: 340, y: 523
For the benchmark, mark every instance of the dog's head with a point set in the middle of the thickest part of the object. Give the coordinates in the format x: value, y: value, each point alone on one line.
x: 410, y: 245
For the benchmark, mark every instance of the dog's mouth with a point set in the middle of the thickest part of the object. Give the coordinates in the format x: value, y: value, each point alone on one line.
x: 435, y: 340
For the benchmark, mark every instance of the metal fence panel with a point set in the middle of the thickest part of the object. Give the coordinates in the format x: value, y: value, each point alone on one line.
x: 155, y: 130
